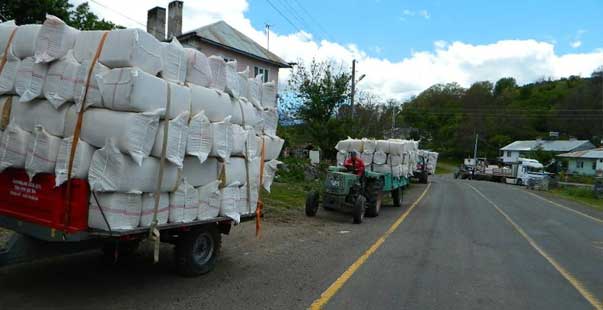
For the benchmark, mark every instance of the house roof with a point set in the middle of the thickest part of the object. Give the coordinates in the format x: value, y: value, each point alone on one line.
x: 594, y: 153
x: 548, y: 145
x: 223, y: 35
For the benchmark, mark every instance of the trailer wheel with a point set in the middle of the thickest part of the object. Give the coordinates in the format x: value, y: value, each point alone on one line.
x: 198, y: 250
x: 359, y: 209
x: 397, y: 197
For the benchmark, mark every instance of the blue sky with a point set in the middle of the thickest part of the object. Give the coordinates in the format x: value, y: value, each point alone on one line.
x: 404, y: 47
x: 393, y: 29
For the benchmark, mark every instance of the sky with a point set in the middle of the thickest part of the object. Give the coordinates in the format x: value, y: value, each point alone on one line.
x: 404, y: 47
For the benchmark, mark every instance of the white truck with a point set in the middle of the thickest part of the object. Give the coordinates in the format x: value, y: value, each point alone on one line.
x: 519, y: 172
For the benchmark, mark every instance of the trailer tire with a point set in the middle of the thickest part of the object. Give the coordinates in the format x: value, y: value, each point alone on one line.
x: 197, y: 252
x: 374, y: 198
x: 312, y: 201
x: 359, y: 209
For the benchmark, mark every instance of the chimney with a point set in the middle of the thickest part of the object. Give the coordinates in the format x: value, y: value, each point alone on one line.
x: 156, y: 22
x: 174, y: 19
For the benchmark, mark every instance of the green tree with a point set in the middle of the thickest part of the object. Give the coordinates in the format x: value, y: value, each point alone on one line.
x: 82, y: 18
x: 318, y: 91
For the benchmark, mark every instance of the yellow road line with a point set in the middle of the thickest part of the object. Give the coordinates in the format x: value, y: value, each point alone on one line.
x: 332, y: 290
x: 590, y: 297
x: 598, y: 220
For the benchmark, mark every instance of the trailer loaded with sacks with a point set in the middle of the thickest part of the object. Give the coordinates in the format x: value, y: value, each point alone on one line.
x: 109, y: 138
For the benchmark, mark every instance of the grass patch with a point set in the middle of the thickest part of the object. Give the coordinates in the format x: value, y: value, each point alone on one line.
x: 583, y: 195
x: 287, y: 198
x: 446, y: 166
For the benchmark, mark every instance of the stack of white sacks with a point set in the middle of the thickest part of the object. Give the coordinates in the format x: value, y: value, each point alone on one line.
x: 218, y: 120
x: 394, y: 156
x: 431, y: 160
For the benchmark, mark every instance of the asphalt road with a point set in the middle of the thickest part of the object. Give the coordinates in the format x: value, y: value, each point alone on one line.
x: 454, y: 250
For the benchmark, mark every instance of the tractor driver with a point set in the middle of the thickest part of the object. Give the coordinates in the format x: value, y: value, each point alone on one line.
x: 354, y: 164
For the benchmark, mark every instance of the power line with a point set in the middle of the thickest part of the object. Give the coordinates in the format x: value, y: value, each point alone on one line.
x: 283, y: 15
x: 328, y: 35
x: 119, y: 13
x: 296, y: 16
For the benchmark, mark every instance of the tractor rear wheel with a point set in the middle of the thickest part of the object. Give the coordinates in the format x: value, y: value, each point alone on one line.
x: 359, y: 209
x: 312, y: 200
x: 374, y: 203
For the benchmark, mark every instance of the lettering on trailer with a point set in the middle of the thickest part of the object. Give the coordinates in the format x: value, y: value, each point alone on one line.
x: 26, y: 190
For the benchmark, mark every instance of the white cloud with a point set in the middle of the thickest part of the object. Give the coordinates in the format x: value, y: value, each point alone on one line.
x: 525, y: 60
x: 576, y: 44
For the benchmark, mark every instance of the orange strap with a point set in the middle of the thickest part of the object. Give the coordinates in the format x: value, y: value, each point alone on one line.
x: 78, y: 128
x: 6, y: 49
x: 8, y: 104
x: 260, y: 206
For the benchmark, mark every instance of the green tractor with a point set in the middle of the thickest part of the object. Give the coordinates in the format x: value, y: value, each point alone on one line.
x: 359, y: 195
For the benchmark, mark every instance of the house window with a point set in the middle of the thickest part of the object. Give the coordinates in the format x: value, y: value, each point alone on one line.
x: 594, y: 165
x: 579, y: 164
x: 259, y: 70
x: 508, y: 154
x: 227, y: 59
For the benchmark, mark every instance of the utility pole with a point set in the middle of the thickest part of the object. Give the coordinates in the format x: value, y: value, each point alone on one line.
x: 268, y: 36
x: 393, y: 119
x: 474, y: 157
x: 353, y: 86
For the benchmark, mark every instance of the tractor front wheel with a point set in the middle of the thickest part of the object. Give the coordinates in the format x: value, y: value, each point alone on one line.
x: 359, y: 209
x: 397, y: 197
x: 312, y: 200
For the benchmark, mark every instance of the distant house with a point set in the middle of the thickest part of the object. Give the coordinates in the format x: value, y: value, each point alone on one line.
x: 218, y: 39
x: 588, y: 163
x: 517, y: 149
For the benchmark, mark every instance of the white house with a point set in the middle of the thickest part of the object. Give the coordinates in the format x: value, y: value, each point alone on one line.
x: 587, y: 163
x: 513, y: 151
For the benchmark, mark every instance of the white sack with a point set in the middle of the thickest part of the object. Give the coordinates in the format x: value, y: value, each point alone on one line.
x: 199, y: 139
x: 349, y: 145
x: 244, y: 142
x: 31, y: 76
x: 93, y: 97
x: 395, y: 160
x: 13, y: 147
x: 235, y: 171
x: 28, y: 115
x: 112, y: 171
x: 270, y: 117
x: 214, y: 103
x: 200, y: 174
x: 8, y: 75
x: 24, y: 42
x: 131, y: 48
x: 184, y: 204
x: 81, y: 160
x: 209, y: 200
x: 198, y: 71
x: 369, y: 145
x: 228, y: 203
x: 341, y: 157
x: 54, y: 40
x: 270, y: 169
x: 133, y: 133
x: 395, y: 147
x: 148, y: 209
x: 245, y: 206
x: 244, y: 83
x: 133, y: 90
x: 60, y: 80
x: 269, y: 95
x: 6, y: 28
x: 218, y: 72
x: 232, y: 79
x: 42, y: 151
x: 254, y: 95
x: 244, y: 113
x: 272, y: 146
x: 396, y: 171
x: 176, y: 141
x: 122, y: 211
x: 367, y: 158
x: 174, y: 59
x: 379, y: 158
x: 221, y: 139
x: 86, y: 43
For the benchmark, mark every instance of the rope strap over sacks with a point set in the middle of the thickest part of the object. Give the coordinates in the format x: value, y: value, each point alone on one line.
x: 8, y: 104
x: 78, y: 128
x: 260, y: 206
x: 6, y: 49
x: 154, y: 234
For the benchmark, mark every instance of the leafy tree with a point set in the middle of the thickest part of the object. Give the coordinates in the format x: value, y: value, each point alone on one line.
x: 318, y: 91
x: 34, y: 12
